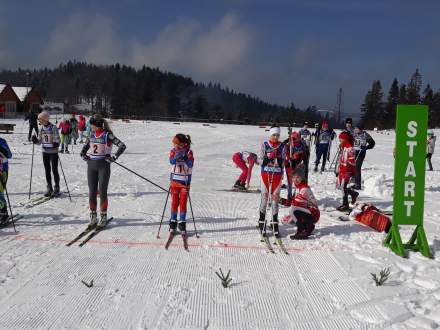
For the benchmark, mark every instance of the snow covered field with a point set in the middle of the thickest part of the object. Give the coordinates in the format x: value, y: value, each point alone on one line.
x: 324, y: 283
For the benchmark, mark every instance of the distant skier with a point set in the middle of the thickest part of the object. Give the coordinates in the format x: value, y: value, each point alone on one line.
x: 97, y: 153
x: 182, y: 161
x: 81, y: 128
x: 271, y: 157
x: 243, y: 160
x: 346, y: 170
x: 349, y: 126
x: 32, y: 117
x: 49, y: 139
x: 306, y: 137
x: 65, y: 129
x: 323, y: 138
x: 430, y: 148
x: 5, y: 154
x: 304, y: 211
x: 362, y: 142
x: 73, y: 129
x: 295, y: 156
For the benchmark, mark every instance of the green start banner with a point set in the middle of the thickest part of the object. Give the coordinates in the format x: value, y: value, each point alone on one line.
x: 409, y: 179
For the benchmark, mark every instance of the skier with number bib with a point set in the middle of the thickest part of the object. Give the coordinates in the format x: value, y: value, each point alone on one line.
x: 182, y: 161
x: 97, y: 153
x: 49, y: 139
x: 323, y: 138
x: 304, y: 211
x: 5, y: 154
x: 271, y: 158
x: 306, y: 138
x: 245, y: 160
x: 362, y: 142
x: 347, y: 169
x: 295, y: 156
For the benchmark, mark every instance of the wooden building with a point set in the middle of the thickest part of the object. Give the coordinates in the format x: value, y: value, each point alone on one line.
x: 18, y: 100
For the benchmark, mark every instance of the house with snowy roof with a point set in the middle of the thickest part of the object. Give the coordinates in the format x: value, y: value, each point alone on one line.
x: 18, y: 100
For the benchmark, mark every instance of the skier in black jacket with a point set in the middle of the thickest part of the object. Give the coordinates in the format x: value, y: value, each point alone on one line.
x: 33, y: 123
x: 362, y: 142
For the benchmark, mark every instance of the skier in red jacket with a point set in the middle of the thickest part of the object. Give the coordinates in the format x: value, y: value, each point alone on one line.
x: 242, y: 160
x: 347, y: 170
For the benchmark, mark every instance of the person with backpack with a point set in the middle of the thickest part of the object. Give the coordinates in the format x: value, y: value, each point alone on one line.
x: 97, y: 153
x: 49, y: 139
x: 5, y: 154
x: 362, y: 142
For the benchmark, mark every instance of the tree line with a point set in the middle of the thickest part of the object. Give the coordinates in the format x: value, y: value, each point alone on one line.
x: 382, y: 114
x: 120, y: 90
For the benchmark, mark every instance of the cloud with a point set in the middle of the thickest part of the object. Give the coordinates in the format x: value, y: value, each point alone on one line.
x: 84, y: 37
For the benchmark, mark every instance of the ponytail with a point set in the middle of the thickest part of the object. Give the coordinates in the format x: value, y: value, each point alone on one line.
x: 183, y: 138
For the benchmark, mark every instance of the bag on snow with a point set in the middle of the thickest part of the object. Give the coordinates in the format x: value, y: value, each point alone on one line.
x: 372, y: 217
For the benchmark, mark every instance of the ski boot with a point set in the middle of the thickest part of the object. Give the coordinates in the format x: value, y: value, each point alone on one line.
x: 344, y: 207
x: 93, y: 220
x: 182, y: 228
x: 173, y: 226
x: 275, y: 227
x: 261, y: 222
x: 300, y: 235
x: 238, y: 185
x: 4, y: 217
x: 56, y: 191
x: 315, y: 169
x: 242, y: 186
x: 49, y: 191
x: 102, y: 220
x: 354, y: 197
x: 67, y: 151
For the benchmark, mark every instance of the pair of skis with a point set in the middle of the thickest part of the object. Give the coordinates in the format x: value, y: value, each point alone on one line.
x: 10, y: 220
x: 37, y: 201
x: 171, y: 236
x: 88, y: 233
x: 278, y: 242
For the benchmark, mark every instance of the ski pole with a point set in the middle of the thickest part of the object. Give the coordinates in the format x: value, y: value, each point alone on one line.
x: 10, y: 208
x: 334, y: 158
x: 192, y: 212
x: 32, y: 167
x: 163, y: 213
x: 64, y: 176
x: 131, y: 171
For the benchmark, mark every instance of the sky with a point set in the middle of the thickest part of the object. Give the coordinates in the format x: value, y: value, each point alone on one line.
x: 278, y: 50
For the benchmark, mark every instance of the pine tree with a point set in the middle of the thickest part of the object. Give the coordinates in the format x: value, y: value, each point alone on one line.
x: 389, y: 118
x: 414, y: 88
x: 428, y: 98
x: 402, y: 95
x: 372, y: 107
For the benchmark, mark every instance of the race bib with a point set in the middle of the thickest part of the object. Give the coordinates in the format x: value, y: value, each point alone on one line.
x: 47, y: 138
x: 98, y: 149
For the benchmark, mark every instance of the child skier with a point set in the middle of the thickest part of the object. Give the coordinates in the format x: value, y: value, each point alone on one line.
x: 362, y: 142
x: 81, y: 128
x: 295, y: 156
x: 73, y: 129
x: 306, y: 138
x: 98, y: 166
x: 347, y: 169
x: 64, y: 127
x: 243, y: 160
x: 304, y: 209
x: 430, y: 147
x: 272, y: 157
x: 323, y: 137
x: 49, y: 139
x: 182, y: 161
x: 5, y: 154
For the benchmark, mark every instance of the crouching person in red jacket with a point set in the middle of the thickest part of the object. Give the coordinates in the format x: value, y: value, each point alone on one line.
x: 304, y: 209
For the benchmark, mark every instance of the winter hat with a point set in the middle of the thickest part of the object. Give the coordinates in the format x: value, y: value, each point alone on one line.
x: 294, y: 135
x: 299, y: 171
x: 97, y: 121
x: 345, y: 136
x: 44, y: 115
x: 349, y: 120
x: 274, y: 130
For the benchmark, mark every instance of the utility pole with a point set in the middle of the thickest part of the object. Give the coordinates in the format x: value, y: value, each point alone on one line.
x: 339, y: 105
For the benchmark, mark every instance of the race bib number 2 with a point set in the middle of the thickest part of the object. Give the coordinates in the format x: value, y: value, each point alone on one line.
x: 98, y: 149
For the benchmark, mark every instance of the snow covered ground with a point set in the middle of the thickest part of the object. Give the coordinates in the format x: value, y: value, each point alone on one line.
x: 324, y: 283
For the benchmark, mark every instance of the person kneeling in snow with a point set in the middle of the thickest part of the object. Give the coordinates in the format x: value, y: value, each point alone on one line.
x: 304, y: 209
x: 347, y: 170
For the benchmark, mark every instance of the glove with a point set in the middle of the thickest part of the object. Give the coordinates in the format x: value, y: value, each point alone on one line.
x: 110, y: 158
x: 34, y: 139
x: 56, y: 145
x: 85, y: 157
x: 265, y: 161
x: 336, y: 173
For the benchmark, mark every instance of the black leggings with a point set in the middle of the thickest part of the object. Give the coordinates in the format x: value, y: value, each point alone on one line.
x: 98, y: 175
x: 428, y: 158
x: 304, y: 221
x: 50, y: 161
x: 347, y: 191
x: 31, y: 128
